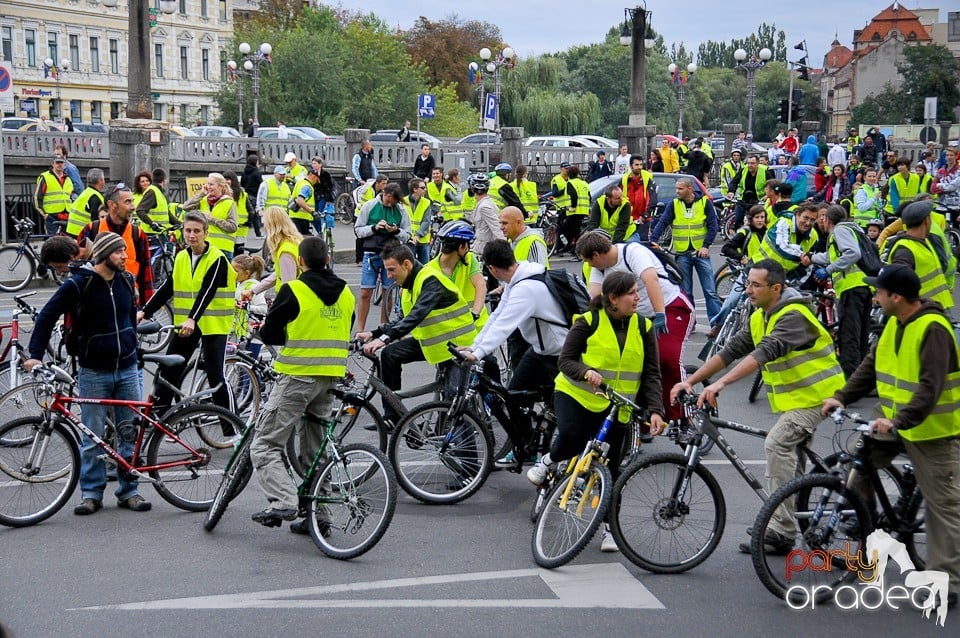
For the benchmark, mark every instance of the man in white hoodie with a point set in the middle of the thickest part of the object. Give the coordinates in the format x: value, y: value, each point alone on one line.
x: 527, y: 305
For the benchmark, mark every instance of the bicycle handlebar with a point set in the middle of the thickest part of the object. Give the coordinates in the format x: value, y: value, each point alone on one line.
x: 50, y: 373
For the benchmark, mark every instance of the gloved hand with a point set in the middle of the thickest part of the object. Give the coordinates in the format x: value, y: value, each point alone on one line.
x: 156, y: 227
x: 821, y: 274
x: 660, y: 323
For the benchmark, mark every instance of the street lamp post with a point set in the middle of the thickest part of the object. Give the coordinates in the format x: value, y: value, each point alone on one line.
x: 238, y: 75
x: 637, y: 37
x: 251, y: 63
x: 49, y: 66
x: 506, y: 59
x: 680, y: 78
x: 751, y: 66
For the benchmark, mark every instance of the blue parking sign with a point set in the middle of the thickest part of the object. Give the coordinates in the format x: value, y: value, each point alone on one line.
x: 426, y: 105
x: 490, y: 112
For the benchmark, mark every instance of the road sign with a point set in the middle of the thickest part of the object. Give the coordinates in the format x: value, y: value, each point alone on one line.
x: 930, y: 109
x: 6, y: 88
x: 427, y: 105
x: 490, y: 112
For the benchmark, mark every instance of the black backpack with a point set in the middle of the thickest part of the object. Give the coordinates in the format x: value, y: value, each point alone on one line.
x: 669, y: 262
x: 869, y: 262
x: 567, y: 290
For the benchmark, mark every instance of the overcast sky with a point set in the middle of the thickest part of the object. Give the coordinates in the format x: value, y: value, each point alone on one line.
x: 538, y: 26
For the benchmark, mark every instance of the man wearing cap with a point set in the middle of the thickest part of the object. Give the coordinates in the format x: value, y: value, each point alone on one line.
x: 915, y: 369
x: 100, y: 305
x: 853, y: 141
x: 118, y: 220
x: 558, y: 187
x: 728, y: 170
x: 274, y: 191
x: 53, y: 195
x: 295, y: 170
x: 600, y: 168
x: 303, y: 201
x: 923, y: 248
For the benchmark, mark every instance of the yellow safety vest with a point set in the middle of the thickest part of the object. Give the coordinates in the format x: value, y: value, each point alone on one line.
x: 461, y: 278
x: 217, y: 318
x: 160, y: 210
x: 56, y: 199
x: 801, y: 378
x: 898, y: 378
x: 295, y: 174
x: 727, y: 173
x: 221, y: 210
x: 496, y: 183
x: 453, y: 323
x: 438, y: 195
x: 689, y: 232
x: 906, y: 189
x: 527, y: 192
x: 310, y: 201
x: 933, y: 281
x: 620, y: 370
x: 418, y: 216
x: 769, y: 250
x: 863, y: 217
x: 289, y: 248
x: 240, y: 327
x: 79, y: 217
x: 752, y: 245
x: 583, y: 197
x: 467, y: 204
x: 317, y: 338
x: 243, y: 216
x: 521, y: 250
x: 559, y: 183
x: 853, y: 277
x: 758, y: 184
x: 277, y: 194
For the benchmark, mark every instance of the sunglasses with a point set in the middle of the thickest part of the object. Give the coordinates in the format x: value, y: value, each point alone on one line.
x: 116, y: 189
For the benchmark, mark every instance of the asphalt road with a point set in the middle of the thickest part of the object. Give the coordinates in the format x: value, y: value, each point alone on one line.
x: 461, y: 570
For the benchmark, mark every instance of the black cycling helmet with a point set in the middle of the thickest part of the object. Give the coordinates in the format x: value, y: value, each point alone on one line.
x: 479, y: 182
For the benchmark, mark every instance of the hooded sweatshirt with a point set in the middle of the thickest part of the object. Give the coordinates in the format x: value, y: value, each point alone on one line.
x: 323, y: 283
x: 809, y: 152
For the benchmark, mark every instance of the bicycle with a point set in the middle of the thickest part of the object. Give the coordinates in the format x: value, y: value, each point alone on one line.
x: 163, y: 251
x: 727, y: 277
x: 953, y: 229
x: 834, y: 520
x: 44, y: 463
x: 348, y: 494
x: 20, y: 262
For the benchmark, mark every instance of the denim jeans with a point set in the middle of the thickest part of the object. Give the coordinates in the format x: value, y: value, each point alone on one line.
x: 733, y: 298
x: 97, y: 384
x: 687, y: 263
x: 421, y: 252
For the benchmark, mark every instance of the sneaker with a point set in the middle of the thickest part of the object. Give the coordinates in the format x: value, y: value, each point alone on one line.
x: 607, y: 544
x: 538, y: 474
x: 774, y: 543
x: 506, y: 461
x: 88, y: 506
x: 135, y: 503
x: 274, y: 517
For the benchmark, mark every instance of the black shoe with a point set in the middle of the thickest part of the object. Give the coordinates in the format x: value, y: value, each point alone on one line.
x: 300, y: 527
x: 88, y: 506
x: 273, y: 517
x: 773, y: 543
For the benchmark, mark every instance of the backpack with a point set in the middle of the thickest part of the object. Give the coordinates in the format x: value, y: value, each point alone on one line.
x: 668, y: 261
x: 869, y: 262
x: 567, y: 290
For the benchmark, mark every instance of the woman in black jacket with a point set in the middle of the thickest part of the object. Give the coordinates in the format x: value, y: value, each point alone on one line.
x: 250, y: 181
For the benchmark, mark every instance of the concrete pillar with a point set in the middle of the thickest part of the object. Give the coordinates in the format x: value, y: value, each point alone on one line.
x: 132, y: 150
x: 639, y: 139
x: 944, y: 137
x: 730, y: 132
x: 353, y: 137
x: 808, y: 127
x: 512, y: 144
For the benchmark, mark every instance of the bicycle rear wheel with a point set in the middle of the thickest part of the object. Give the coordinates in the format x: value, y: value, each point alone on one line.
x: 567, y: 523
x: 352, y: 427
x: 17, y: 268
x: 755, y: 387
x: 440, y: 457
x: 154, y: 343
x: 345, y: 209
x: 350, y: 501
x: 39, y: 473
x: 193, y: 485
x: 235, y: 478
x: 724, y: 282
x: 828, y: 519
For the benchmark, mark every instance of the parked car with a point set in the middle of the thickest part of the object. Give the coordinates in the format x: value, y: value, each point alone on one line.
x: 390, y: 135
x: 216, y: 131
x: 81, y: 127
x: 271, y: 132
x: 181, y: 131
x: 666, y: 188
x: 599, y: 140
x: 560, y: 141
x: 312, y: 133
x: 25, y: 124
x: 480, y: 138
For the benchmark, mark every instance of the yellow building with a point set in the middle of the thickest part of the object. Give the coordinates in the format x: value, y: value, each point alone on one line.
x: 187, y: 58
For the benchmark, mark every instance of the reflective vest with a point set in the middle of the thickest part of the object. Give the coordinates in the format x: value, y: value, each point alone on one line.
x: 758, y: 184
x: 219, y: 238
x: 863, y: 217
x: 905, y: 189
x: 461, y: 279
x: 56, y: 198
x: 727, y: 172
x: 159, y: 211
x: 289, y: 248
x: 751, y: 246
x: 300, y: 213
x: 773, y: 215
x: 296, y: 173
x: 645, y: 177
x: 583, y: 197
x: 800, y: 378
x: 79, y: 217
x: 217, y: 318
x: 136, y: 198
x: 925, y: 182
x: 527, y: 192
x: 438, y: 195
x: 608, y: 220
x: 560, y: 184
x: 453, y: 323
x: 521, y: 249
x: 937, y: 228
x: 132, y: 265
x: 852, y: 277
x: 620, y: 369
x: 467, y: 204
x: 316, y: 344
x: 418, y: 216
x: 933, y: 281
x: 240, y: 327
x: 852, y: 141
x: 770, y: 250
x: 898, y: 378
x: 496, y: 183
x: 277, y: 194
x: 243, y: 216
x: 689, y: 225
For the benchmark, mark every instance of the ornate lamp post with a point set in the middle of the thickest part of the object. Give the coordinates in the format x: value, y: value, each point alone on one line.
x: 751, y: 66
x: 251, y: 63
x: 680, y: 78
x: 49, y: 66
x: 637, y: 36
x: 238, y: 75
x: 506, y: 59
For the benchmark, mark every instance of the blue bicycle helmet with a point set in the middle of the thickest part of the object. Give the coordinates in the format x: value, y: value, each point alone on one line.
x: 457, y: 230
x: 503, y: 167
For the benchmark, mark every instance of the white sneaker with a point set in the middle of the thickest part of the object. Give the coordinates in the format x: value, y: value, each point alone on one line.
x: 607, y: 544
x: 537, y: 474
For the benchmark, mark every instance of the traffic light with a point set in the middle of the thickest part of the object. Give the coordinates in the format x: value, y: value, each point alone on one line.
x: 803, y: 69
x: 798, y: 112
x: 782, y: 109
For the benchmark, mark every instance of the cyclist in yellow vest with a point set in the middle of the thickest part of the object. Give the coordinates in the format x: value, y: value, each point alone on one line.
x: 243, y: 212
x: 527, y: 243
x: 215, y: 202
x: 867, y: 200
x: 578, y: 192
x: 903, y: 186
x: 744, y: 246
x: 420, y: 208
x: 796, y: 354
x: 609, y: 344
x: 640, y: 190
x: 728, y: 170
x: 854, y: 296
x: 311, y: 320
x: 501, y: 191
x: 926, y: 179
x: 295, y: 170
x: 434, y: 313
x: 282, y: 244
x: 273, y: 191
x: 922, y: 249
x: 153, y: 210
x: 203, y: 290
x: 558, y: 187
x: 461, y: 202
x: 53, y: 195
x: 462, y: 267
x: 526, y: 190
x: 915, y: 370
x: 792, y: 237
x: 87, y: 206
x: 303, y: 202
x: 612, y: 213
x: 444, y: 194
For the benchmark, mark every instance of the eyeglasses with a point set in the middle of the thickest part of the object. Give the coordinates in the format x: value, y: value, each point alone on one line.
x: 752, y: 285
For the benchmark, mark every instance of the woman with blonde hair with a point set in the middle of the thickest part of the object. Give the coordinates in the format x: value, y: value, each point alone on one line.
x: 282, y: 242
x: 215, y: 202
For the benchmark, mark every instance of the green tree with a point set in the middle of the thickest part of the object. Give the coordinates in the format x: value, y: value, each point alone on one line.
x: 930, y: 71
x: 891, y: 106
x: 720, y: 54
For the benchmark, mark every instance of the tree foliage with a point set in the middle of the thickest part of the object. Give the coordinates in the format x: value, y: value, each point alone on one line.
x: 891, y: 106
x: 929, y: 71
x: 720, y: 54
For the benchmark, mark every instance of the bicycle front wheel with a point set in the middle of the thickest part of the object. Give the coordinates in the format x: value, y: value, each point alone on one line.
x: 658, y: 528
x: 831, y: 524
x: 359, y: 423
x: 570, y: 518
x: 440, y: 457
x: 17, y: 268
x: 235, y: 478
x: 194, y: 481
x: 724, y: 282
x: 755, y: 387
x: 350, y: 501
x: 39, y: 469
x: 154, y: 343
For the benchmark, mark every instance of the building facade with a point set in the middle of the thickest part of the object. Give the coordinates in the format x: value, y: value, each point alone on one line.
x: 88, y: 44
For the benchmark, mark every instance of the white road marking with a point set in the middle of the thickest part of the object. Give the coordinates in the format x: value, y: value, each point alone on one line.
x: 603, y: 585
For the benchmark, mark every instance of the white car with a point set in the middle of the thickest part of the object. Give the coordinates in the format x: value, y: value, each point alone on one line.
x: 312, y: 133
x: 599, y: 140
x: 480, y: 138
x: 270, y: 133
x: 216, y: 131
x: 26, y: 124
x: 560, y: 141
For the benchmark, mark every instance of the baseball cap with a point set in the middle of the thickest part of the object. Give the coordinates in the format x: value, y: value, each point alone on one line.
x: 564, y: 164
x: 914, y: 213
x: 59, y: 158
x: 289, y: 157
x: 897, y: 279
x: 279, y: 169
